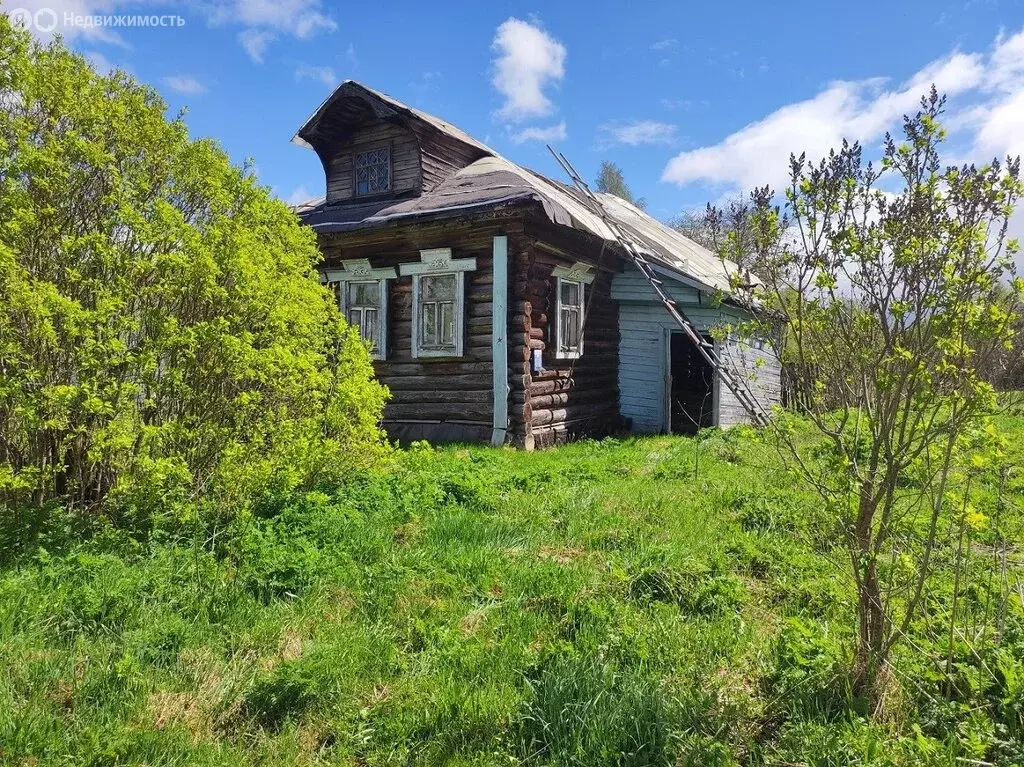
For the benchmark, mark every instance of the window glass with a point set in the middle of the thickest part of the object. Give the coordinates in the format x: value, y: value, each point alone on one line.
x: 438, y: 288
x: 373, y: 171
x: 570, y: 293
x: 364, y: 293
x: 570, y: 318
x: 363, y: 307
x: 438, y: 312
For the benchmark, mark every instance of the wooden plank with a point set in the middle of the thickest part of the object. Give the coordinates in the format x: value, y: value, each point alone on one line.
x: 499, y: 319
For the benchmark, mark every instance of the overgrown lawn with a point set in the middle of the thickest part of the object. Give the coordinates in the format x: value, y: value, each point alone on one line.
x: 648, y: 601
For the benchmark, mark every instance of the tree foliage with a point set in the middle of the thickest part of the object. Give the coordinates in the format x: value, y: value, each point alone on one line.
x: 610, y: 180
x: 899, y: 289
x: 163, y: 332
x: 728, y: 230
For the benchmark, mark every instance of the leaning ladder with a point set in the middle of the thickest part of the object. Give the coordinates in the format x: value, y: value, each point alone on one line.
x: 735, y: 383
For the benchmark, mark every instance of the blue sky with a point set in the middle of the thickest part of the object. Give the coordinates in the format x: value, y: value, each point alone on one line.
x: 693, y: 100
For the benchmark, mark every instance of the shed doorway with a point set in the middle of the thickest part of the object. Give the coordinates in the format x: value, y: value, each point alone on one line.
x: 691, y: 387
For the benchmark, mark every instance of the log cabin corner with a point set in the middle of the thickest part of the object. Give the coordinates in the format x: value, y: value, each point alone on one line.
x: 470, y: 278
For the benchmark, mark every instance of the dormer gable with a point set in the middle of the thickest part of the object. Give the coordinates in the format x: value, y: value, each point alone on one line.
x: 372, y: 146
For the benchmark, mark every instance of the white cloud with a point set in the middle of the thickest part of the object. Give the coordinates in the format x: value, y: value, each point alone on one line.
x: 528, y: 61
x: 299, y: 195
x: 298, y: 18
x: 990, y: 116
x: 665, y: 44
x: 856, y: 110
x: 255, y: 42
x: 635, y: 133
x: 323, y: 74
x: 184, y: 84
x: 984, y: 118
x: 264, y: 21
x: 550, y: 133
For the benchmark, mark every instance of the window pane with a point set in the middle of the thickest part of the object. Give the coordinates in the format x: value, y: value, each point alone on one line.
x: 369, y: 330
x: 373, y: 171
x: 429, y: 324
x: 573, y: 330
x: 355, y: 317
x: 569, y: 329
x: 438, y: 288
x: 570, y: 293
x: 447, y: 324
x: 364, y: 294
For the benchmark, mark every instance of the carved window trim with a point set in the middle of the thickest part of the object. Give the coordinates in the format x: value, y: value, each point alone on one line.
x: 438, y: 262
x: 359, y: 270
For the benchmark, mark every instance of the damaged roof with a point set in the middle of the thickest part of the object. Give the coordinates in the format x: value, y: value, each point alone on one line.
x: 492, y: 182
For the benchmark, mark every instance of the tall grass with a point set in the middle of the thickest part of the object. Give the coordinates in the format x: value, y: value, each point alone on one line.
x: 594, y: 605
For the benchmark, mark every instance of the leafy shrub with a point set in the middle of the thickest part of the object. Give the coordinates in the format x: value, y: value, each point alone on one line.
x: 808, y: 678
x: 162, y: 326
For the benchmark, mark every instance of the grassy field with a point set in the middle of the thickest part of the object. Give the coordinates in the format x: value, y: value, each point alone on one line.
x: 641, y: 602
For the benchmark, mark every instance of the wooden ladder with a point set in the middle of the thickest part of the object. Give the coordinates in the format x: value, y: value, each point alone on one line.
x: 736, y: 384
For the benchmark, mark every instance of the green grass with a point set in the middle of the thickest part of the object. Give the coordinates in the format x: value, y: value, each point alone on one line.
x: 600, y: 604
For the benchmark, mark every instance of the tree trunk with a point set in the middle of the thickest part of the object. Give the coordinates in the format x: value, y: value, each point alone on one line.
x: 869, y: 664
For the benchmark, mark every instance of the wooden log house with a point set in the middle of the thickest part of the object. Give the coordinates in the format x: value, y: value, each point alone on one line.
x: 470, y: 278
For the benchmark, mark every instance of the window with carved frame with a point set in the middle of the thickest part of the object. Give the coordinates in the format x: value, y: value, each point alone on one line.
x: 570, y: 318
x: 362, y: 294
x: 439, y: 302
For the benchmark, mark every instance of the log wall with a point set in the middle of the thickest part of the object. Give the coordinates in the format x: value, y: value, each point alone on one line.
x: 437, y: 399
x: 568, y: 398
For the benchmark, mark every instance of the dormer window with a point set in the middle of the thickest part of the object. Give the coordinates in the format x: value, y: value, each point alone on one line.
x: 373, y: 171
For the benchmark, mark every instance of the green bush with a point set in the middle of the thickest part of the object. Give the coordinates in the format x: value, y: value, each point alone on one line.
x: 809, y: 677
x: 163, y: 331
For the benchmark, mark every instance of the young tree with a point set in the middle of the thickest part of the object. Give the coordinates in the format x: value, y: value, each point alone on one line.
x: 611, y: 181
x: 897, y: 283
x: 163, y: 331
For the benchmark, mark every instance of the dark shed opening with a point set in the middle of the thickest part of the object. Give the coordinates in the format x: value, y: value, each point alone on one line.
x: 692, y: 388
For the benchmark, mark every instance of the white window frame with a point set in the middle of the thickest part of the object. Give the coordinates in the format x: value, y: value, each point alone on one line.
x: 438, y: 262
x: 578, y: 274
x: 360, y: 270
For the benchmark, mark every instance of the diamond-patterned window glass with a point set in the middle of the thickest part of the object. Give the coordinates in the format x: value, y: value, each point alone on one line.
x: 373, y: 171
